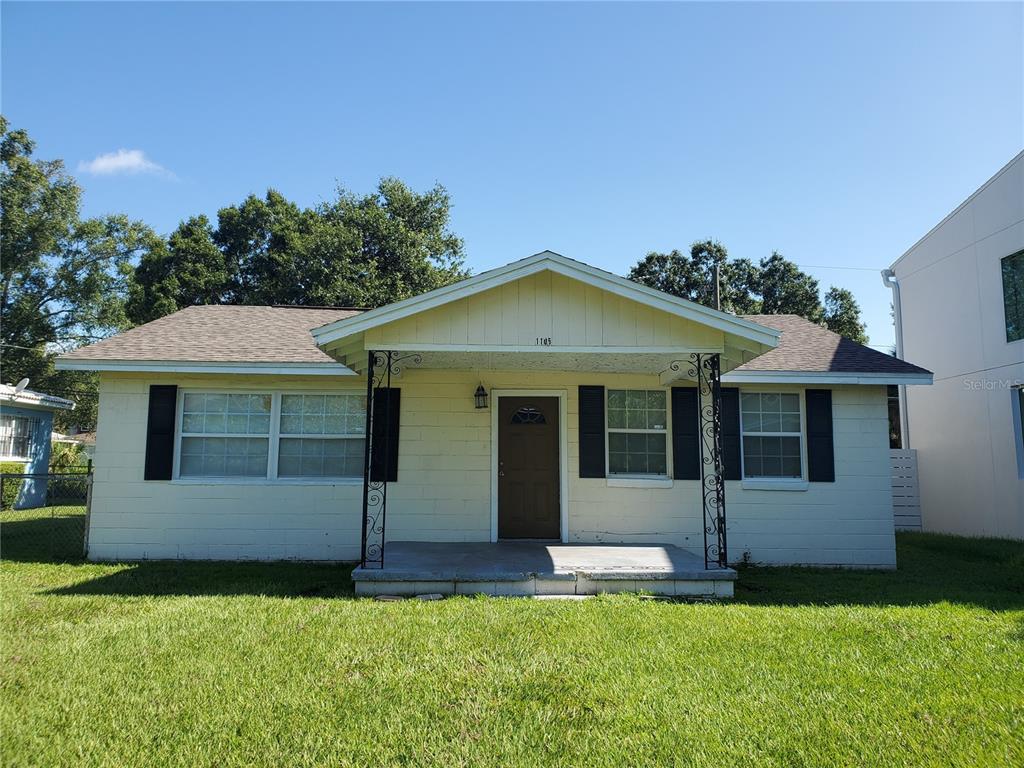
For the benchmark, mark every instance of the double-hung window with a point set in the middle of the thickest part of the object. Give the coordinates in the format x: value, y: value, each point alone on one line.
x: 272, y: 435
x: 637, y: 429
x: 225, y: 435
x: 772, y: 435
x: 322, y: 436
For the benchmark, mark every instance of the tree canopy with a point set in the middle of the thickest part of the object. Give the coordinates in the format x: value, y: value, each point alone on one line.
x: 357, y: 251
x: 773, y: 286
x: 64, y: 278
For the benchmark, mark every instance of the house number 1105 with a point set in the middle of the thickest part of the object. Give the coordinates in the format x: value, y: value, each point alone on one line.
x: 544, y: 341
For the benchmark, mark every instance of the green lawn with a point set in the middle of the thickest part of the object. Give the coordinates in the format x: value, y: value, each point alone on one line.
x: 217, y: 664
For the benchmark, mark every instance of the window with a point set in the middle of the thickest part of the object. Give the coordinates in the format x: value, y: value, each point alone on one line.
x: 16, y: 436
x: 322, y: 436
x: 637, y: 429
x: 1013, y: 295
x: 895, y: 422
x: 225, y: 435
x: 264, y: 435
x: 772, y: 435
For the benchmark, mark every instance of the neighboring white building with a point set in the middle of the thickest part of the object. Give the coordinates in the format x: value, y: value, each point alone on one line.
x: 961, y: 314
x: 544, y: 400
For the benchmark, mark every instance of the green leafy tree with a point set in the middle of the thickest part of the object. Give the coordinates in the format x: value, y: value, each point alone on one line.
x: 65, y: 279
x: 774, y: 286
x: 784, y: 289
x: 352, y: 251
x: 842, y: 315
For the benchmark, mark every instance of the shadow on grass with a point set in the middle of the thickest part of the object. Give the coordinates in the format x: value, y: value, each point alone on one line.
x: 933, y: 568
x: 44, y: 535
x: 160, y: 578
x: 987, y: 573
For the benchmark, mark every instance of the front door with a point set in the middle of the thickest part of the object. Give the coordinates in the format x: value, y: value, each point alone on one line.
x: 528, y: 483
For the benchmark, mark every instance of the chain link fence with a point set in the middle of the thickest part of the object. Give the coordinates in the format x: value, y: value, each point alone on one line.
x: 45, y: 517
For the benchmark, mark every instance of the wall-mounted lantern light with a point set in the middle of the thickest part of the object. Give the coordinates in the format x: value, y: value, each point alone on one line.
x: 480, y: 396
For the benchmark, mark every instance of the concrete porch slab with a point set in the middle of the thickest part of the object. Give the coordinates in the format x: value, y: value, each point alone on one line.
x: 538, y: 568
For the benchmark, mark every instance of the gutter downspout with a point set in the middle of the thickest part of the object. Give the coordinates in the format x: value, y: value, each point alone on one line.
x: 889, y: 281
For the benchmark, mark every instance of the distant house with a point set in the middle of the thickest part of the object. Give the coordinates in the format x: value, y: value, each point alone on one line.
x: 26, y: 421
x: 959, y: 300
x: 545, y: 417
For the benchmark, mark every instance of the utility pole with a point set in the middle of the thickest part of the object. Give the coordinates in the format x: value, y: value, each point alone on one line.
x: 718, y: 290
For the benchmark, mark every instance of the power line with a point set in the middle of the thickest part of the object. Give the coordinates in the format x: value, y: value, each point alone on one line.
x: 829, y: 266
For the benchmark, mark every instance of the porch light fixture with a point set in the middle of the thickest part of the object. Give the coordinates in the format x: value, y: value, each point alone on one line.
x: 480, y: 396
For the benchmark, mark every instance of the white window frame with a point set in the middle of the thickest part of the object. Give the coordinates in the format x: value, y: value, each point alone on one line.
x: 625, y: 478
x: 785, y: 483
x: 275, y: 435
x: 34, y: 423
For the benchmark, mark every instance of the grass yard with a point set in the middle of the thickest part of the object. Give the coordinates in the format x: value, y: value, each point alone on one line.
x: 247, y: 664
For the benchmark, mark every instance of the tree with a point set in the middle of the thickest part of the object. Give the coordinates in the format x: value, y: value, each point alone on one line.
x: 352, y: 251
x: 64, y: 279
x: 784, y: 289
x: 842, y: 315
x: 693, y: 277
x: 774, y: 286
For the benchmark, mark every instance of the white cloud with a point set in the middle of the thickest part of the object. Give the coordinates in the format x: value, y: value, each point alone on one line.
x: 123, y: 161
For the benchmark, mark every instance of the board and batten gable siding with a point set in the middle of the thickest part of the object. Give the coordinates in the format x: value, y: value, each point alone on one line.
x: 444, y: 484
x: 545, y: 305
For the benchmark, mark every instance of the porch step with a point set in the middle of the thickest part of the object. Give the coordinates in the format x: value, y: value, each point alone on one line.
x: 578, y: 584
x: 535, y: 568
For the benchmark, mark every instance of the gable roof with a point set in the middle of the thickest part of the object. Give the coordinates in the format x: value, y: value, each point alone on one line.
x: 212, y: 337
x: 812, y: 354
x: 548, y: 260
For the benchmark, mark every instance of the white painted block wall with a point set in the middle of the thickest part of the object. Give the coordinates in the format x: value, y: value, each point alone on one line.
x: 444, y: 484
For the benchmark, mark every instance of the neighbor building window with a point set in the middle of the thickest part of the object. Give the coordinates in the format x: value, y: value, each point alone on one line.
x: 1013, y: 295
x: 772, y: 435
x: 271, y: 435
x: 322, y: 436
x: 16, y: 436
x: 637, y: 429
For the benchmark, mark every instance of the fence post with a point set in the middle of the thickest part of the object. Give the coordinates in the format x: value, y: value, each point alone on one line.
x: 88, y: 510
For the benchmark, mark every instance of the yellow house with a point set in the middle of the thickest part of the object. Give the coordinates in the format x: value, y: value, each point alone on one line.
x: 541, y: 427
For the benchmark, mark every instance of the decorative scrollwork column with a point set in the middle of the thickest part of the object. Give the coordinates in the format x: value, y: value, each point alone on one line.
x: 381, y: 366
x: 706, y: 369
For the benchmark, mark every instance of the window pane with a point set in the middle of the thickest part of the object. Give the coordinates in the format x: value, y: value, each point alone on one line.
x: 771, y: 456
x: 790, y: 422
x: 226, y: 414
x: 641, y: 453
x: 323, y: 414
x: 321, y: 457
x: 223, y: 457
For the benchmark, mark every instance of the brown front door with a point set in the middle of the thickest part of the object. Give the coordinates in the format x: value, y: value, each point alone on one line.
x: 528, y: 468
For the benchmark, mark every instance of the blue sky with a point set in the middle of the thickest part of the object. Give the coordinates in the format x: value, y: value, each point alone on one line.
x: 837, y: 134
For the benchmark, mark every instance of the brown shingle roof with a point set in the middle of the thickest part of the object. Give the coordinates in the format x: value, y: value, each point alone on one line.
x: 215, y: 333
x: 805, y: 346
x: 218, y: 334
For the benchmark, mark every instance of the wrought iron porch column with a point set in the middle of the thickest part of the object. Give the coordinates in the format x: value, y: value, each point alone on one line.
x: 706, y: 369
x: 380, y: 367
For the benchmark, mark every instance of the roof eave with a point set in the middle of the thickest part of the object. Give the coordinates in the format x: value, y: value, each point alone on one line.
x: 866, y: 378
x: 186, y: 366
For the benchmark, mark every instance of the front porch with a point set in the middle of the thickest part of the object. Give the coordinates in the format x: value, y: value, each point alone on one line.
x: 527, y: 568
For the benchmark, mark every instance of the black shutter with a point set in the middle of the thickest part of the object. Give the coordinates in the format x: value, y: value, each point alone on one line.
x: 386, y: 408
x: 163, y: 406
x: 591, y: 431
x: 821, y: 465
x: 685, y: 433
x: 731, y: 433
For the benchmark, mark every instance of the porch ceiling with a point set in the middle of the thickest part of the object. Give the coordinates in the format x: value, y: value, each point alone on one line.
x: 669, y: 365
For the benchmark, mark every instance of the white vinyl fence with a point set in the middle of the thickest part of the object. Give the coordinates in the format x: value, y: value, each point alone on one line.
x: 906, y: 498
